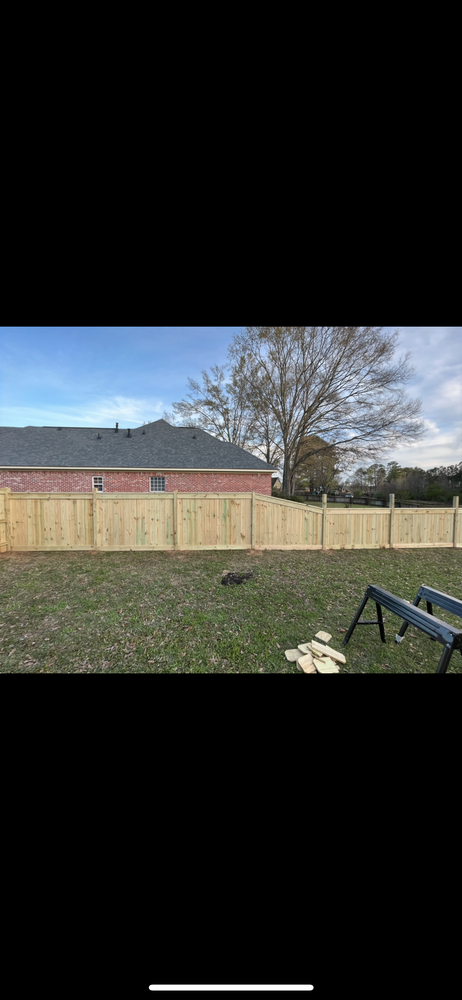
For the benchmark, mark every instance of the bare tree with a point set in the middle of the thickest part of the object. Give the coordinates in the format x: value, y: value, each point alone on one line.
x: 359, y: 479
x: 216, y: 407
x: 265, y: 438
x: 375, y: 475
x: 338, y: 383
x: 416, y: 482
x: 172, y: 418
x: 226, y: 411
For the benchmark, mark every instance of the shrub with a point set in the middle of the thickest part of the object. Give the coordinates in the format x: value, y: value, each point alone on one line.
x: 279, y: 494
x: 436, y: 492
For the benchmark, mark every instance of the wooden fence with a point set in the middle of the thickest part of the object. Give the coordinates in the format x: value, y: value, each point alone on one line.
x: 111, y: 522
x: 4, y: 537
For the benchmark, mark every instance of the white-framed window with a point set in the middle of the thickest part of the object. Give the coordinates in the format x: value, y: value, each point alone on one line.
x: 157, y: 484
x: 98, y: 483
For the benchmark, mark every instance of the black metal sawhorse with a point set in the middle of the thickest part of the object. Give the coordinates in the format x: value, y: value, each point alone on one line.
x: 432, y: 596
x: 447, y: 635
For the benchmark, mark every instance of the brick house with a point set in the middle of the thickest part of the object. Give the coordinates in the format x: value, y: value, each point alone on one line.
x: 152, y: 458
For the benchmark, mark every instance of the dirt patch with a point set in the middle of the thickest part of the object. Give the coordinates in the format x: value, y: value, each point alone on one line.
x: 234, y: 578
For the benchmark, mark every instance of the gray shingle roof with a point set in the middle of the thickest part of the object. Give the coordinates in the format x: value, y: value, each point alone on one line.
x: 161, y: 447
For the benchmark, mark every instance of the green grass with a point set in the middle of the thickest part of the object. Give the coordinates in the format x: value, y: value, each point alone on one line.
x: 131, y: 612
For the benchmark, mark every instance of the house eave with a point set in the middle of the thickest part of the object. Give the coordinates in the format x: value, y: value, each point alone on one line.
x: 118, y: 468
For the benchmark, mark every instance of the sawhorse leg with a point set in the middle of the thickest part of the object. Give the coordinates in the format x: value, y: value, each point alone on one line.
x: 430, y: 612
x: 380, y: 620
x: 405, y: 625
x: 444, y: 660
x: 355, y: 620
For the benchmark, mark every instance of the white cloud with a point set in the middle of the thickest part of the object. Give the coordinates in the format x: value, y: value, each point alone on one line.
x: 431, y: 426
x: 451, y: 391
x: 99, y: 413
x: 438, y: 447
x: 123, y: 408
x: 437, y: 358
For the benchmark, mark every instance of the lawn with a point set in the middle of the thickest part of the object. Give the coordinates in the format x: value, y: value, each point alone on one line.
x: 162, y: 612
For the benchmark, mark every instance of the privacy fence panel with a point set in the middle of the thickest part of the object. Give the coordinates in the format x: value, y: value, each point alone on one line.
x: 134, y: 521
x: 358, y: 529
x: 416, y: 527
x: 458, y: 528
x: 50, y: 521
x: 194, y: 521
x: 214, y: 521
x: 4, y: 541
x: 284, y: 524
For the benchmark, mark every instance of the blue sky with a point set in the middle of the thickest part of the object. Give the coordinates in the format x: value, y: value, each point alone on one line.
x: 93, y: 376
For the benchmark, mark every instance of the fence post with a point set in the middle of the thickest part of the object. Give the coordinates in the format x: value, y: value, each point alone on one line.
x: 455, y: 504
x: 95, y: 518
x: 324, y: 520
x: 252, y: 523
x: 8, y: 538
x: 175, y: 519
x: 391, y: 504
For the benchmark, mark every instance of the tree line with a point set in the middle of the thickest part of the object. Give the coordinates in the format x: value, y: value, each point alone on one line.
x: 308, y: 400
x: 440, y: 483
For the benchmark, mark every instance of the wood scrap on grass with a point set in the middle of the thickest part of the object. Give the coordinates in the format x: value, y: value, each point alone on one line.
x: 316, y: 656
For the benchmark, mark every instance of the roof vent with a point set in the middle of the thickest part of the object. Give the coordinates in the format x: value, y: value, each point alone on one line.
x: 194, y: 435
x: 117, y: 428
x: 144, y: 432
x: 128, y: 433
x: 99, y: 436
x: 59, y: 428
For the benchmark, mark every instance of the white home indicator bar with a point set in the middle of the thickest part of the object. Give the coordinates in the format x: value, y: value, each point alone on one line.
x: 231, y: 988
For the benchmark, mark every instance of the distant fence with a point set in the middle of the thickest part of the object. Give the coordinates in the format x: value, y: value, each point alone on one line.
x: 111, y: 522
x: 371, y: 501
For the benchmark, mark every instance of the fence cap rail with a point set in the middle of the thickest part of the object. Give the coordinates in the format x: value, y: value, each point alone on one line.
x: 290, y: 503
x: 143, y: 496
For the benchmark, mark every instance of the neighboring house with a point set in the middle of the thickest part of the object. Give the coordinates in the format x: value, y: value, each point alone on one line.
x: 277, y: 483
x: 153, y: 458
